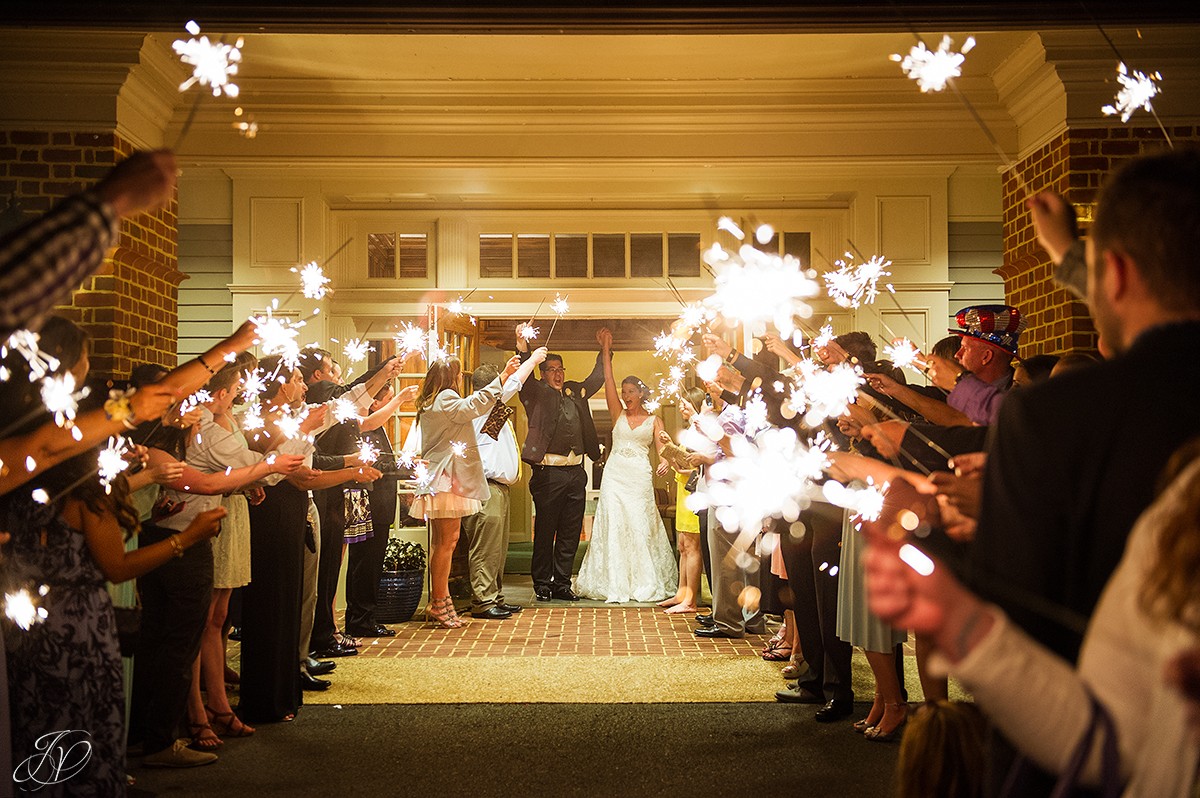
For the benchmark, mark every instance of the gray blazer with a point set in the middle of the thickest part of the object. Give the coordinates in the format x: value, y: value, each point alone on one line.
x: 448, y: 421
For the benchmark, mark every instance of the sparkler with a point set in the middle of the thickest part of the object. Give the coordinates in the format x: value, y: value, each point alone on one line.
x: 1137, y: 90
x: 853, y: 285
x: 60, y: 398
x: 356, y: 350
x: 560, y: 308
x: 410, y: 338
x: 904, y: 354
x: 278, y: 336
x: 824, y: 393
x: 529, y: 332
x: 457, y: 307
x: 345, y: 410
x: 916, y: 559
x: 25, y: 343
x: 368, y: 452
x: 756, y: 288
x: 312, y: 280
x: 459, y: 448
x: 289, y: 423
x: 112, y: 461
x: 22, y: 608
x: 933, y: 69
x: 201, y: 397
x: 866, y: 503
x: 213, y: 64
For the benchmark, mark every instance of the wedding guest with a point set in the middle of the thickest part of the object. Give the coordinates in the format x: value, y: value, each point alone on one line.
x: 687, y: 522
x: 455, y: 486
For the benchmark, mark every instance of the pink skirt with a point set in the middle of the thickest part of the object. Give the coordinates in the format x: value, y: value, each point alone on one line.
x: 444, y: 505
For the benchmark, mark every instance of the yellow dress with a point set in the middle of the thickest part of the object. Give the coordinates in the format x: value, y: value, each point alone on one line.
x: 685, y: 519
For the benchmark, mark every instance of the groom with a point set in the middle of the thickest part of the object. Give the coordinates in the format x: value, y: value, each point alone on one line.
x: 561, y: 432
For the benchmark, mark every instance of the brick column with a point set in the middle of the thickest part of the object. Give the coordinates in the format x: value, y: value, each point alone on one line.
x: 1074, y: 164
x: 131, y: 309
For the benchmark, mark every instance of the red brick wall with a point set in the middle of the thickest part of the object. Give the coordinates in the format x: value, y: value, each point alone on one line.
x: 131, y: 311
x: 1073, y: 164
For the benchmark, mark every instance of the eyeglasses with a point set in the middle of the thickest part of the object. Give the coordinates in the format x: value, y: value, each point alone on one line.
x: 558, y: 370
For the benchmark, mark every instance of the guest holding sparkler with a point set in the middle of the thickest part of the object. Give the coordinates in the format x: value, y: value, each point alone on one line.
x: 687, y: 522
x: 455, y: 485
x: 68, y: 534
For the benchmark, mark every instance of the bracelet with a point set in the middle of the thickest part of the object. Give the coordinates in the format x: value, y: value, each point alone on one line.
x: 118, y: 408
x: 200, y: 358
x: 176, y: 546
x: 732, y: 356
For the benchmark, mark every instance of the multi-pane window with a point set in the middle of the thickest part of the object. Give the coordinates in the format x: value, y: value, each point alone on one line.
x: 584, y: 255
x: 403, y: 255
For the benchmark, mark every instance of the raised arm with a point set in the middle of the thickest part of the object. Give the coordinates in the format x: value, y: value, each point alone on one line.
x: 611, y: 397
x: 380, y: 416
x: 106, y: 541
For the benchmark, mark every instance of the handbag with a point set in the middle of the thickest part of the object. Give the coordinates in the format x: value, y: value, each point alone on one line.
x: 1110, y: 786
x: 693, y: 481
x: 496, y: 419
x: 129, y: 628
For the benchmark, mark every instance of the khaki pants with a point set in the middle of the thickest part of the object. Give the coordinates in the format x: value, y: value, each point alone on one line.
x: 308, y: 602
x: 487, y: 540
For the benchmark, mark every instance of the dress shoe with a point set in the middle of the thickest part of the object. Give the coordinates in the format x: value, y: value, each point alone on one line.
x: 310, y: 682
x: 712, y: 631
x: 542, y: 593
x: 379, y: 630
x: 178, y: 755
x: 564, y: 594
x: 492, y: 614
x: 705, y: 620
x: 511, y: 609
x: 836, y: 709
x: 318, y: 668
x: 334, y: 649
x: 795, y: 695
x: 235, y: 633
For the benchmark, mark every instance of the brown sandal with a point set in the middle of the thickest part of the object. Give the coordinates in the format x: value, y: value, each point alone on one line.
x: 228, y: 724
x: 204, y: 738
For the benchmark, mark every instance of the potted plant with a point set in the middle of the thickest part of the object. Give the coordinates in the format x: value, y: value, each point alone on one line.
x: 401, y: 582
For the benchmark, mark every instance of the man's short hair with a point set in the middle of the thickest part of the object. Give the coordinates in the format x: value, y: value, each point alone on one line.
x: 947, y: 347
x: 1150, y: 210
x: 482, y: 377
x: 546, y: 363
x: 146, y: 374
x: 858, y: 345
x: 312, y: 361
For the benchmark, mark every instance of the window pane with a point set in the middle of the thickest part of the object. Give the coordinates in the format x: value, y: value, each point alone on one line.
x: 645, y: 255
x: 533, y: 256
x: 381, y: 254
x: 570, y: 256
x: 495, y: 256
x: 683, y: 252
x: 799, y: 246
x: 414, y: 257
x: 608, y: 255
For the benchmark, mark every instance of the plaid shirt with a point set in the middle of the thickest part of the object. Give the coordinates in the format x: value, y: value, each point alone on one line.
x: 46, y: 259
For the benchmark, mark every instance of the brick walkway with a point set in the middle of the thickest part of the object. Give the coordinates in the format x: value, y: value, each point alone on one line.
x: 561, y: 631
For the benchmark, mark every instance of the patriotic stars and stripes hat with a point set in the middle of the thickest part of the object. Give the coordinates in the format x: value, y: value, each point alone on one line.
x: 998, y: 325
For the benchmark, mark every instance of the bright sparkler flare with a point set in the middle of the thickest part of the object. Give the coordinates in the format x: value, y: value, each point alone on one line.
x: 824, y: 336
x: 459, y: 448
x: 367, y: 451
x: 769, y: 476
x: 1137, y: 90
x: 933, y: 69
x: 866, y: 502
x: 758, y: 288
x: 356, y: 350
x: 59, y: 397
x: 213, y: 63
x: 252, y: 419
x: 278, y: 336
x: 25, y: 343
x: 529, y: 332
x: 824, y: 393
x: 253, y: 384
x: 916, y: 559
x: 200, y: 397
x: 313, y: 280
x: 289, y: 424
x: 345, y: 410
x: 112, y: 461
x: 560, y: 306
x: 456, y: 307
x: 904, y: 354
x: 853, y: 285
x: 22, y: 609
x: 410, y: 338
x: 652, y: 406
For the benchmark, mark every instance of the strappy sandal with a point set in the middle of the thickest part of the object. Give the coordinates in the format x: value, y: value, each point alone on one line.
x: 442, y: 613
x: 778, y: 654
x: 775, y: 642
x: 203, y: 737
x: 228, y: 724
x: 346, y: 640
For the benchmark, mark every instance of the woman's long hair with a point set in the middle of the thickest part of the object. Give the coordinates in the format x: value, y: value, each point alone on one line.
x: 1171, y: 591
x: 942, y: 752
x: 442, y: 374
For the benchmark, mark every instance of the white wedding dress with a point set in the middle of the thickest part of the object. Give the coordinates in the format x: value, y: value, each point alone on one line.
x: 629, y: 557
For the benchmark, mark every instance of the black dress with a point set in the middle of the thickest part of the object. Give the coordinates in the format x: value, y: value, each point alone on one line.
x: 270, y: 688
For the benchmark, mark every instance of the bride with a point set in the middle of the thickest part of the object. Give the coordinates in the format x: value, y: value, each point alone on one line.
x: 629, y: 557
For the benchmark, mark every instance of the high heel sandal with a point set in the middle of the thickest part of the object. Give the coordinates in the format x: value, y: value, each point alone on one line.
x: 228, y: 723
x: 441, y: 612
x: 792, y: 670
x: 876, y: 734
x: 861, y: 726
x: 200, y: 740
x: 775, y: 642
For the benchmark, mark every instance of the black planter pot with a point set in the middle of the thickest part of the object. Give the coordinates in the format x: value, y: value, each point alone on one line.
x: 399, y: 595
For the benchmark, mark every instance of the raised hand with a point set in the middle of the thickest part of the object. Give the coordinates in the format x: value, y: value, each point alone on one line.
x: 286, y: 463
x: 943, y: 372
x: 150, y: 401
x: 407, y: 394
x: 315, y: 419
x: 367, y: 474
x: 167, y: 472
x: 716, y: 345
x: 204, y: 526
x: 144, y: 181
x: 604, y: 337
x: 1054, y: 222
x: 514, y: 363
